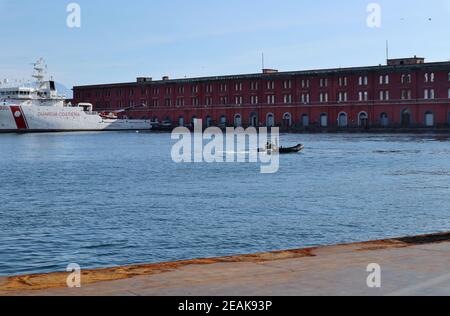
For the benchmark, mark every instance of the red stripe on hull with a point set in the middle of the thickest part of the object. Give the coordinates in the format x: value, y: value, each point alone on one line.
x: 19, y: 117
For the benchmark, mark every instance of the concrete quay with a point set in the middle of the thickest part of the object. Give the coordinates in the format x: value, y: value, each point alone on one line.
x: 409, y: 266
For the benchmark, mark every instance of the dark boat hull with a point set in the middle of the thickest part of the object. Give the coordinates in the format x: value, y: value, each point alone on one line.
x: 281, y: 150
x: 291, y: 150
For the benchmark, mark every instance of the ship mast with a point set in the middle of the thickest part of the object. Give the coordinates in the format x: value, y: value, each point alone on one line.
x: 40, y: 69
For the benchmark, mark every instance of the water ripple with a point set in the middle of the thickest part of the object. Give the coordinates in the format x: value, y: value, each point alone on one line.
x: 83, y: 198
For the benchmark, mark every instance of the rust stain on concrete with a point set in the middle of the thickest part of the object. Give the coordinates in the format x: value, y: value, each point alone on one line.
x: 58, y: 280
x: 381, y: 245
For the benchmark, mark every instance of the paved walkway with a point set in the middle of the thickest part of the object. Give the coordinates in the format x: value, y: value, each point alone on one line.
x: 410, y: 266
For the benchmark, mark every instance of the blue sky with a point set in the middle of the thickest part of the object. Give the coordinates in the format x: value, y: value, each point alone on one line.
x: 119, y: 40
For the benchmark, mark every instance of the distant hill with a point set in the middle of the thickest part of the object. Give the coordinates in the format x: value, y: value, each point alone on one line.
x: 63, y: 90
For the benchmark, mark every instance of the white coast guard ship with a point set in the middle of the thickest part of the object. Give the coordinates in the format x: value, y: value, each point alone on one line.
x: 37, y: 107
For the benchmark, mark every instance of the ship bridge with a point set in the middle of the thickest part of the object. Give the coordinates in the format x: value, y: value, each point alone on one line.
x: 16, y: 93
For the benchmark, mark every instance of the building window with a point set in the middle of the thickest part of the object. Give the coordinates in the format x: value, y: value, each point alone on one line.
x: 238, y: 86
x: 342, y: 97
x: 429, y: 77
x: 194, y: 89
x: 224, y: 100
x: 209, y: 101
x: 167, y: 102
x: 323, y: 82
x: 406, y: 95
x: 287, y: 84
x: 429, y: 94
x: 194, y: 101
x: 406, y: 78
x: 254, y: 99
x: 254, y: 86
x: 271, y: 99
x: 208, y: 88
x: 384, y: 95
x: 305, y: 98
x: 180, y: 90
x: 363, y: 96
x: 384, y: 79
x: 168, y: 91
x: 223, y: 87
x: 448, y: 96
x: 270, y: 85
x: 155, y: 103
x: 323, y: 98
x: 155, y: 91
x: 288, y: 98
x: 180, y: 101
x: 238, y: 100
x: 343, y: 81
x: 305, y: 83
x: 363, y: 80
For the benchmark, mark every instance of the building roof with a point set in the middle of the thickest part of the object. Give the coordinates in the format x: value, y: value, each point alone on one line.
x: 274, y: 75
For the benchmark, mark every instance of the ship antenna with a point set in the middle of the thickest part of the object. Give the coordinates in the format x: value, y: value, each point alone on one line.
x: 387, y: 50
x: 263, y: 61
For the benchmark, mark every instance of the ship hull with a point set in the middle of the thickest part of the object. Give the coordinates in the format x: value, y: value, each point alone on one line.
x: 33, y: 119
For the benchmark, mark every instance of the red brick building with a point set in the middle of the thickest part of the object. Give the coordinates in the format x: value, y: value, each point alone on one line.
x: 404, y: 93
